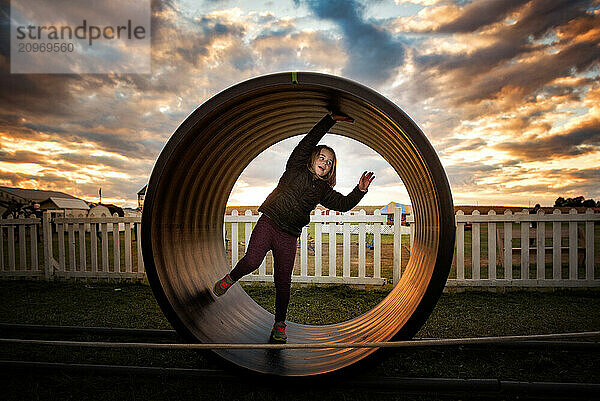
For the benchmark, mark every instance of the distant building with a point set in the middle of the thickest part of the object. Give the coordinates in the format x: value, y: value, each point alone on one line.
x: 141, y: 195
x: 388, y: 210
x: 34, y: 199
x: 70, y: 206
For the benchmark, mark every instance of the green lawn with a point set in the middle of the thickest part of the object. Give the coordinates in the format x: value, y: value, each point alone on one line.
x: 133, y: 305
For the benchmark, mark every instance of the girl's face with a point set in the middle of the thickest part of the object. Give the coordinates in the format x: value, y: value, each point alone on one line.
x: 322, y: 166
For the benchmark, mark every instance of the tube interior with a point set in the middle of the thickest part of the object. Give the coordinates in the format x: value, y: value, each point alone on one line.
x: 191, y: 182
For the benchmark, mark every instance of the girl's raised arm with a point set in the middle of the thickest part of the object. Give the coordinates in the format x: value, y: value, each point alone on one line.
x: 303, y: 150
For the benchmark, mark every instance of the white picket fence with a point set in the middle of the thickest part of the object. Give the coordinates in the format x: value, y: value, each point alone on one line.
x: 320, y: 272
x: 71, y: 247
x: 567, y: 256
x: 107, y: 247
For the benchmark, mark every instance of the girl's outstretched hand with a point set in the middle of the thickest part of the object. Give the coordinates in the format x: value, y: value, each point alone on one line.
x: 365, y: 180
x: 339, y: 116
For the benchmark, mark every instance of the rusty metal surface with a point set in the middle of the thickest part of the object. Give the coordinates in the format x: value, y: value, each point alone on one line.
x: 182, y: 222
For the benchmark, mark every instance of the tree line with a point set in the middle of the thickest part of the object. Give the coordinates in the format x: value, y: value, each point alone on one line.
x: 579, y: 201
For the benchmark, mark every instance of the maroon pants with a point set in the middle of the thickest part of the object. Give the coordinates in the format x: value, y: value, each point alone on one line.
x: 265, y: 236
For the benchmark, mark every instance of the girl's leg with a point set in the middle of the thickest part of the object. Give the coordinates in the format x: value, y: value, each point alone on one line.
x: 259, y: 245
x: 284, y: 253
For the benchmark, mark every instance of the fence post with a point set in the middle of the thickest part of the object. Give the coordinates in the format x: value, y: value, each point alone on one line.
x: 397, y: 245
x: 541, y: 247
x: 525, y: 246
x: 573, y: 243
x: 508, y: 247
x: 377, y: 247
x: 318, y: 246
x: 362, y: 230
x: 491, y: 247
x: 346, y: 249
x: 589, y: 247
x: 460, y: 247
x: 556, y: 245
x: 304, y: 252
x: 116, y: 247
x: 475, y: 248
x: 331, y: 226
x: 34, y: 245
x: 234, y: 240
x: 47, y: 239
x: 22, y: 245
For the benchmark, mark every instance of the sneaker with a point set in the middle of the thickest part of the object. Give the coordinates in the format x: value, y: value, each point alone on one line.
x: 278, y: 333
x: 223, y: 285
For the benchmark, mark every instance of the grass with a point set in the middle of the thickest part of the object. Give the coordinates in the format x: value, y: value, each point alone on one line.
x: 133, y: 305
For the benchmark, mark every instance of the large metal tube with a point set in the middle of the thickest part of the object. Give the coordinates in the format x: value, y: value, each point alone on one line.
x: 182, y: 222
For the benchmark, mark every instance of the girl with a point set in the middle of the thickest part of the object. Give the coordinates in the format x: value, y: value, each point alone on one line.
x: 308, y: 179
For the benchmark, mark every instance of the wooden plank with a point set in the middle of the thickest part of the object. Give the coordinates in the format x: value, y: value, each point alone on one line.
x: 362, y: 232
x: 262, y: 269
x: 11, y: 248
x: 138, y: 238
x: 82, y: 246
x: 247, y: 231
x: 104, y: 240
x: 304, y: 252
x: 491, y: 248
x: 234, y: 241
x: 397, y: 263
x: 128, y: 248
x: 103, y: 219
x: 525, y: 248
x: 94, y: 246
x: 62, y: 260
x: 589, y: 248
x: 116, y: 248
x: 346, y: 250
x: 556, y: 248
x: 318, y: 247
x: 377, y: 248
x: 508, y: 247
x: 332, y: 249
x: 71, y: 244
x: 540, y: 256
x: 476, y: 248
x: 347, y: 218
x: 21, y: 221
x: 519, y: 217
x: 34, y: 247
x: 460, y: 248
x: 22, y: 248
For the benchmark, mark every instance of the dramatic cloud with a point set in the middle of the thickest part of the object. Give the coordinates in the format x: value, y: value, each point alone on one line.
x: 579, y: 141
x: 507, y: 91
x: 373, y: 53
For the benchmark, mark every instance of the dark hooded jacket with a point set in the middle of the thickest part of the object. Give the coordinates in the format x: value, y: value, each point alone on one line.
x: 300, y: 190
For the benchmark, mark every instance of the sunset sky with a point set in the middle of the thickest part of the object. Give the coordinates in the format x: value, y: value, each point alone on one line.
x: 507, y: 91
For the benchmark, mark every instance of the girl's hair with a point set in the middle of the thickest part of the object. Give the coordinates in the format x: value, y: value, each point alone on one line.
x: 330, y: 177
